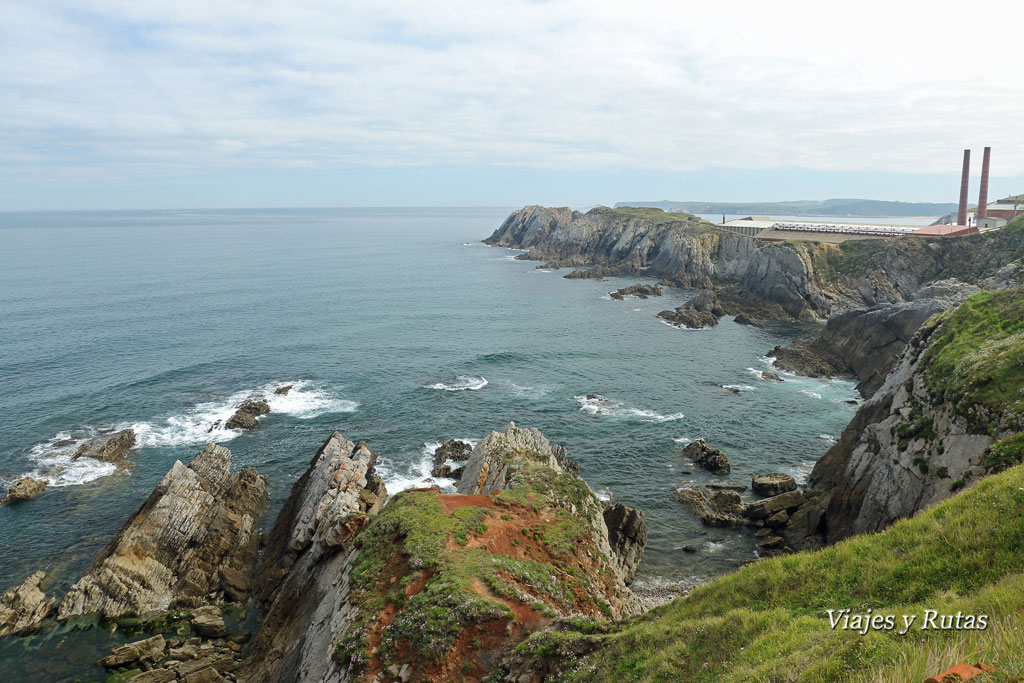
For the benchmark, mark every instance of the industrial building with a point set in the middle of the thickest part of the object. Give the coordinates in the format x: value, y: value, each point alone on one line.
x: 985, y: 217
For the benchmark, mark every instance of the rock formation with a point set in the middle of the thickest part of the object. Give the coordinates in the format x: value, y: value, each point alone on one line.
x: 304, y: 575
x: 640, y: 291
x: 806, y: 281
x: 703, y: 310
x: 942, y: 419
x: 454, y: 451
x: 195, y: 537
x: 109, y: 447
x: 24, y: 489
x: 245, y: 416
x: 772, y: 484
x: 24, y: 607
x: 707, y: 457
x: 718, y: 509
x: 283, y: 391
x: 868, y: 343
x: 435, y: 586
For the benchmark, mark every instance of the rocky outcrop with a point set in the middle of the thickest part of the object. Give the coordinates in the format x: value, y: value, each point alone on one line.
x: 109, y: 447
x: 283, y: 391
x: 627, y: 536
x: 640, y: 291
x: 245, y: 416
x: 927, y: 432
x: 716, y: 509
x: 595, y: 273
x: 805, y: 281
x: 707, y: 457
x: 164, y: 660
x: 24, y: 489
x: 450, y: 451
x: 868, y: 343
x: 25, y: 606
x: 196, y: 536
x: 304, y: 576
x: 772, y: 484
x: 703, y: 310
x: 435, y: 586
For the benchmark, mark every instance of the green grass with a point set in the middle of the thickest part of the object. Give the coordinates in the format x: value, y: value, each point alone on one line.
x: 976, y: 357
x: 767, y: 621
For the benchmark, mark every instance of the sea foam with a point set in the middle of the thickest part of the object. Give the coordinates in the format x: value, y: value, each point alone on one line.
x: 460, y: 383
x: 606, y: 407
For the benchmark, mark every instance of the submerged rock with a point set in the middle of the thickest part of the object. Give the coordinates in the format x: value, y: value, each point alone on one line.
x: 283, y: 391
x: 707, y: 457
x: 24, y: 607
x: 195, y: 536
x: 108, y: 448
x: 24, y: 489
x: 741, y: 319
x: 454, y: 450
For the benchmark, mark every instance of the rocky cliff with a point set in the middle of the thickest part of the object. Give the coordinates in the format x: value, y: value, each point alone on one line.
x: 798, y: 280
x: 949, y: 413
x: 194, y: 539
x: 435, y: 586
x: 867, y: 344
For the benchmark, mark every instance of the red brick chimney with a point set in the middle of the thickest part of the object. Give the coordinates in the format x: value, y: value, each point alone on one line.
x: 983, y: 194
x: 961, y: 216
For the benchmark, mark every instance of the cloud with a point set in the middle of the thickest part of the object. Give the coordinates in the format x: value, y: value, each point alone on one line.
x: 122, y: 89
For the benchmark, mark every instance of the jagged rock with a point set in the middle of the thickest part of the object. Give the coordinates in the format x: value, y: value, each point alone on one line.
x: 771, y: 543
x: 627, y: 535
x: 598, y: 272
x: 303, y: 576
x: 199, y: 522
x: 25, y: 606
x: 771, y: 377
x: 24, y: 489
x: 703, y: 310
x: 767, y: 507
x: 245, y: 416
x: 640, y: 291
x: 487, y: 470
x: 772, y: 484
x: 867, y: 343
x: 108, y: 448
x: 718, y: 509
x: 707, y: 457
x: 283, y: 391
x: 778, y: 520
x: 148, y: 650
x: 454, y: 450
x: 208, y: 622
x: 741, y: 319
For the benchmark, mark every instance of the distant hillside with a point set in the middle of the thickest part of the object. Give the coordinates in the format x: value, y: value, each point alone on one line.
x: 828, y: 207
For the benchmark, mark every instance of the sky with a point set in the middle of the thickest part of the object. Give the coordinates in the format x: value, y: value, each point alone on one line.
x: 122, y: 104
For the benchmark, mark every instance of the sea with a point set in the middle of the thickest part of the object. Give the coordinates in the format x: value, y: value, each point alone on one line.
x: 396, y: 326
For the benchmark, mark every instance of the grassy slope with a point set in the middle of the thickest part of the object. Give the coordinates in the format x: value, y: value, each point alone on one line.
x: 766, y: 622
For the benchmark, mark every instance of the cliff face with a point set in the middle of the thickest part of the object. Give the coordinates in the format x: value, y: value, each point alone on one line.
x: 799, y: 280
x: 949, y: 414
x: 434, y: 586
x: 304, y: 576
x: 195, y: 536
x: 868, y: 343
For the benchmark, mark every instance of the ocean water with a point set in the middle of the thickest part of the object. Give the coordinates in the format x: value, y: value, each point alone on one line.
x: 396, y: 326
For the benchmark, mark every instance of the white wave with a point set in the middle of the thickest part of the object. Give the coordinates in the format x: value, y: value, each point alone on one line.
x: 605, y: 407
x: 413, y: 472
x: 756, y: 373
x: 606, y: 297
x: 603, y: 493
x: 195, y: 426
x: 812, y: 394
x: 683, y: 327
x: 204, y: 422
x: 683, y: 440
x: 460, y: 383
x: 55, y: 465
x: 830, y: 439
x: 738, y: 387
x: 520, y: 391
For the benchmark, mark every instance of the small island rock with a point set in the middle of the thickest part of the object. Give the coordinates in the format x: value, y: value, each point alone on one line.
x: 707, y: 457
